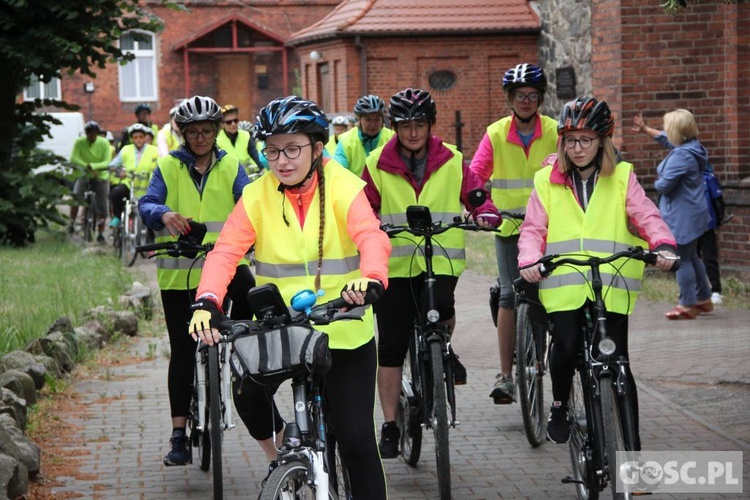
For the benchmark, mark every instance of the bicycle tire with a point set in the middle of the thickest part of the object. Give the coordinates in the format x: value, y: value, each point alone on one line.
x: 130, y: 232
x: 89, y: 214
x: 200, y: 442
x: 614, y: 439
x: 215, y: 430
x: 529, y: 376
x: 289, y: 480
x: 579, y: 446
x: 338, y: 478
x: 117, y: 241
x: 408, y: 415
x: 439, y: 419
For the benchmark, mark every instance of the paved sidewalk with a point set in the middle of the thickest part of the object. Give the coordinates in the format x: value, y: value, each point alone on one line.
x: 126, y: 423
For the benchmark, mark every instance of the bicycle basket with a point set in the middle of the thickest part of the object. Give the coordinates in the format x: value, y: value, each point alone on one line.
x: 276, y: 355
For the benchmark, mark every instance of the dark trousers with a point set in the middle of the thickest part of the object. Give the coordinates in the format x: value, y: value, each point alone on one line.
x: 708, y: 250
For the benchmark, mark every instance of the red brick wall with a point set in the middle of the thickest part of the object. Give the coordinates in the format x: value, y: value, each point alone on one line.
x: 478, y: 62
x: 281, y: 19
x: 646, y: 60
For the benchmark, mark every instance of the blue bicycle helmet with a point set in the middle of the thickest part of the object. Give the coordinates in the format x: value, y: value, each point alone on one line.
x: 291, y: 115
x: 525, y: 75
x: 369, y: 104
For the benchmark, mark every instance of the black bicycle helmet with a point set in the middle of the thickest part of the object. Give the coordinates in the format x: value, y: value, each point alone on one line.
x: 369, y: 104
x: 91, y: 126
x: 412, y: 104
x: 197, y: 109
x: 291, y: 115
x: 142, y: 107
x: 586, y: 113
x: 525, y: 75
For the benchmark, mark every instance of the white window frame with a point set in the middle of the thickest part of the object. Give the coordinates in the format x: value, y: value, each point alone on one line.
x: 40, y: 86
x: 139, y: 54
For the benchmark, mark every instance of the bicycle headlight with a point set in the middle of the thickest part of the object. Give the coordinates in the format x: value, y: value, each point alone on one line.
x: 607, y: 346
x: 433, y: 316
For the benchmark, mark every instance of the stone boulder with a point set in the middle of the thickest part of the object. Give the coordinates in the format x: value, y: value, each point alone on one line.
x: 27, y: 363
x: 14, y: 443
x: 14, y: 406
x: 10, y: 378
x: 13, y: 478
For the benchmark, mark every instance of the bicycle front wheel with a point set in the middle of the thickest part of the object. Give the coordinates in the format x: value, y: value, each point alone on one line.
x: 529, y: 376
x: 440, y: 415
x: 614, y: 435
x: 579, y: 446
x: 215, y: 430
x: 129, y: 226
x: 290, y: 480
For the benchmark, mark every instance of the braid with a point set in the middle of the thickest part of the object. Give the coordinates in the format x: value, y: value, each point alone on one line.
x: 322, y: 196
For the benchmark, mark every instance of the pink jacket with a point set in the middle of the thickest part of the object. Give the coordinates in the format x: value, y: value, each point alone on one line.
x: 642, y: 213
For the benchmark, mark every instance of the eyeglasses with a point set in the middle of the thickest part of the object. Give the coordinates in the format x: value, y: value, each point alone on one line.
x: 192, y: 133
x: 292, y: 151
x: 584, y: 142
x: 520, y: 97
x: 229, y: 122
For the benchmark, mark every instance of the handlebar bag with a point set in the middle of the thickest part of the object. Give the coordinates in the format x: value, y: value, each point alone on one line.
x: 272, y: 356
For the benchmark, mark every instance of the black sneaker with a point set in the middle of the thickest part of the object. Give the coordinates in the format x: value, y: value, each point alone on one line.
x: 390, y: 435
x: 100, y: 238
x: 459, y: 370
x: 179, y: 454
x: 558, y: 427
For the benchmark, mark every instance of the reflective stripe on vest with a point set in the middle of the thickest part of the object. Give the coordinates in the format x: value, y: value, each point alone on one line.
x: 441, y: 193
x: 513, y: 171
x: 600, y: 231
x: 211, y: 207
x: 287, y: 255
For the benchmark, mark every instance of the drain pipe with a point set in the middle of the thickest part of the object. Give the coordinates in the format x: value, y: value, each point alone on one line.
x: 362, y: 65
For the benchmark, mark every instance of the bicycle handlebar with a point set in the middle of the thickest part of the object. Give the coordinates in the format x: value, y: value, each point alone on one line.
x: 434, y: 228
x: 321, y: 314
x: 551, y: 262
x: 185, y: 248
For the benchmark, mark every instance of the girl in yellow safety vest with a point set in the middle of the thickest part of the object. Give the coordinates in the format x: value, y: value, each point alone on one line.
x: 583, y: 201
x: 312, y: 227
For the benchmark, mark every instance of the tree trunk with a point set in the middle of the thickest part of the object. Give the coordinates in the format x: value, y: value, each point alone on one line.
x: 8, y: 94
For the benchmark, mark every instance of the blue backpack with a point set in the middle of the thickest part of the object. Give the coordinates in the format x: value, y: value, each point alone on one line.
x: 715, y: 199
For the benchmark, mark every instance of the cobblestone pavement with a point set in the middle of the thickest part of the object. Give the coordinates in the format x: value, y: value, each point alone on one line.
x: 125, y: 421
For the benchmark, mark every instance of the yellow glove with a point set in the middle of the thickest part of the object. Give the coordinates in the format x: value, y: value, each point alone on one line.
x: 206, y: 315
x: 370, y: 288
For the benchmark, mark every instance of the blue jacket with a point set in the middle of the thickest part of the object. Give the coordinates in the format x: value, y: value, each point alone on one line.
x: 682, y: 199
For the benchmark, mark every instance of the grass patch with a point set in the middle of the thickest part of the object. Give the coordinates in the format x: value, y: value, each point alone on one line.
x: 50, y: 279
x: 657, y: 285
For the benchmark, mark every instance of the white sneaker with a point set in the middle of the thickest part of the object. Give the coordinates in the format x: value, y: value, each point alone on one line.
x: 716, y: 299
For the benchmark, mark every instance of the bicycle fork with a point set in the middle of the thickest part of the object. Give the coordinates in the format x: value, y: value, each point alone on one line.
x: 315, y: 456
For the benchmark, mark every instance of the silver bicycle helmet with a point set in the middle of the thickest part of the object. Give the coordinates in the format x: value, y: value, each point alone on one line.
x: 197, y: 109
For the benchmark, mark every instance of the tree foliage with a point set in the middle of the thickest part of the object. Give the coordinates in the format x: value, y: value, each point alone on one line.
x: 51, y: 38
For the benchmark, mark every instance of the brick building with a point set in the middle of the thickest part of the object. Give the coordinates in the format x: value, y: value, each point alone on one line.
x: 634, y: 56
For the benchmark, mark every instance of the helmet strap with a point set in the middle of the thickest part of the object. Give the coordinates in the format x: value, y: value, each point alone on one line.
x: 523, y: 120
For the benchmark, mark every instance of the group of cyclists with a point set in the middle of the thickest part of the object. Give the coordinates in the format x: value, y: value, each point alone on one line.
x: 314, y: 222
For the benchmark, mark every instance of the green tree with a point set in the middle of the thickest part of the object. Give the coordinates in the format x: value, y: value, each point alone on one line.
x: 47, y: 38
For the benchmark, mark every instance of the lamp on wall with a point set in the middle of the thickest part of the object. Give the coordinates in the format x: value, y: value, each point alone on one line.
x: 88, y: 88
x: 316, y: 55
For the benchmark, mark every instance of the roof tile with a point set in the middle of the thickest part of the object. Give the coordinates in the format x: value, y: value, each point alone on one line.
x: 370, y: 17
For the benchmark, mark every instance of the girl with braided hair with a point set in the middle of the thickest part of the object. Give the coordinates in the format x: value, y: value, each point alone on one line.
x: 312, y: 227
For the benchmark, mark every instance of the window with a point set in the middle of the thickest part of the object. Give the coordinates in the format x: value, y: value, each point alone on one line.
x: 37, y: 89
x: 138, y: 77
x: 442, y: 79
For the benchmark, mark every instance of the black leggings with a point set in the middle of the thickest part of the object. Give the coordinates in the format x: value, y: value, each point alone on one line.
x: 350, y: 390
x: 117, y: 196
x: 566, y: 343
x: 182, y: 358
